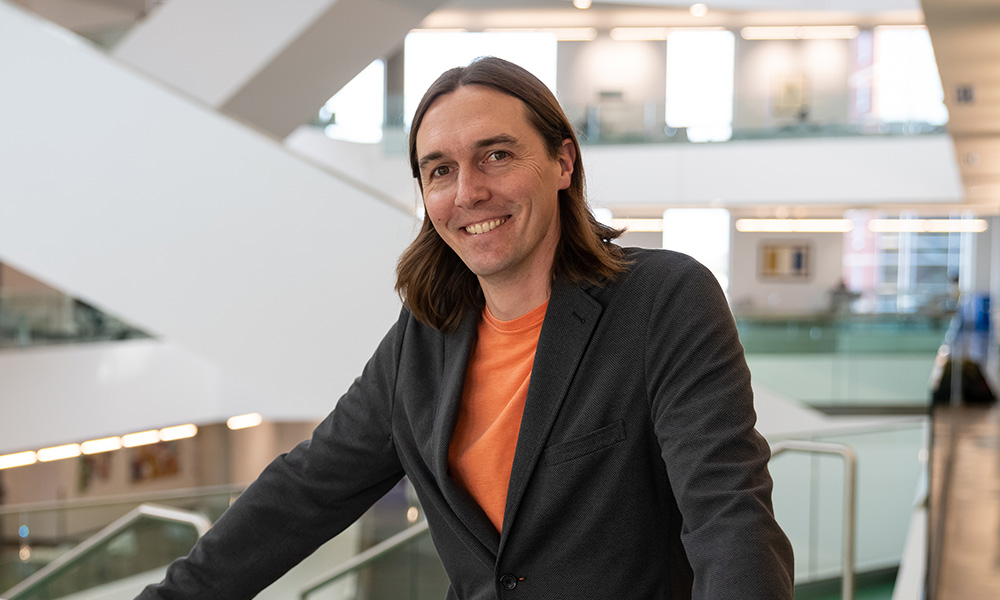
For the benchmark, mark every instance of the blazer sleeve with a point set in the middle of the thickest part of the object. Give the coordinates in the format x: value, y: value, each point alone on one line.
x: 303, y: 498
x: 702, y: 408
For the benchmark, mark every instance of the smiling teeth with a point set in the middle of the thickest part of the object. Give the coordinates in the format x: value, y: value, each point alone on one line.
x: 484, y: 227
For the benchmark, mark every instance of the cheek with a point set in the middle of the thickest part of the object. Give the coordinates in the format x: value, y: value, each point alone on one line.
x: 437, y: 210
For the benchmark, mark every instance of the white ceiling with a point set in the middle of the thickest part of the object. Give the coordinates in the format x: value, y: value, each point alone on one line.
x: 98, y: 16
x: 477, y: 14
x: 88, y: 17
x: 966, y: 38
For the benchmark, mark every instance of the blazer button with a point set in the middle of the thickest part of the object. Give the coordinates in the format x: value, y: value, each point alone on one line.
x: 508, y: 581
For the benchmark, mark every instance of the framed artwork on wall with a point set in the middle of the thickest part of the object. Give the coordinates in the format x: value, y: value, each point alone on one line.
x: 790, y: 97
x: 785, y: 261
x: 154, y: 461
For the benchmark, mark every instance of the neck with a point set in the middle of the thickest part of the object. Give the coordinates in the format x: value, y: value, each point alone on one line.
x: 510, y: 300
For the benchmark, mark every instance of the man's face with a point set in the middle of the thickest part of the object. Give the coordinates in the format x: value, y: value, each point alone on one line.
x: 490, y: 186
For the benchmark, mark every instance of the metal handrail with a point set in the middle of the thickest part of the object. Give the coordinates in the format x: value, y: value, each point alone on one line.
x: 362, y: 559
x: 888, y: 424
x: 106, y: 501
x: 850, y: 499
x: 163, y: 513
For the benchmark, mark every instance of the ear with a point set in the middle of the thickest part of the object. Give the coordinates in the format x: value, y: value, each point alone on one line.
x: 567, y: 158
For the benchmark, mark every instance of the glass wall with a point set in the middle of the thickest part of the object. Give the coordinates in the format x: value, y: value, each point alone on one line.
x: 664, y: 85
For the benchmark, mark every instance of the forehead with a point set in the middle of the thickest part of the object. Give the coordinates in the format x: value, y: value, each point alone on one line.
x: 469, y: 114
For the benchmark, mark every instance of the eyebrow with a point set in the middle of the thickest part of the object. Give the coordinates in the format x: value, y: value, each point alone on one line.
x: 429, y: 158
x: 503, y: 138
x: 483, y: 143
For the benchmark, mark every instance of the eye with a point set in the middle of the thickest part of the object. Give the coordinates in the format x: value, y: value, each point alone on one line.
x: 498, y: 155
x: 440, y: 171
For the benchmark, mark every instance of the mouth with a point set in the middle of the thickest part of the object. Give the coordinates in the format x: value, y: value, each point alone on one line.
x: 485, y: 226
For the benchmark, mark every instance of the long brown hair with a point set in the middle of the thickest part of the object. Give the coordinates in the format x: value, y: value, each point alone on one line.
x: 431, y: 279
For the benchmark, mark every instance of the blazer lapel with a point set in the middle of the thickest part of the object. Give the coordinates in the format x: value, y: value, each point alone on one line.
x: 569, y: 323
x: 457, y: 353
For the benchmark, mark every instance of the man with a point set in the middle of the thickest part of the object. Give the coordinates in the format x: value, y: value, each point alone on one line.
x: 576, y: 418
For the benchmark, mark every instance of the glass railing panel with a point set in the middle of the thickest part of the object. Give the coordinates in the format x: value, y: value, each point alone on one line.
x: 57, y: 528
x: 405, y: 566
x: 620, y: 122
x: 139, y: 549
x: 45, y: 319
x: 808, y: 501
x: 147, y: 539
x: 414, y: 572
x: 844, y: 361
x: 808, y: 498
x: 33, y: 536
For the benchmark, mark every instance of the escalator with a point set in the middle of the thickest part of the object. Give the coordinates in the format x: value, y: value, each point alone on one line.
x: 372, y: 560
x: 120, y: 559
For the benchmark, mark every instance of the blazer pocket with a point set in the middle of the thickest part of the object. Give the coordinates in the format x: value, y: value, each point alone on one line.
x: 585, y: 444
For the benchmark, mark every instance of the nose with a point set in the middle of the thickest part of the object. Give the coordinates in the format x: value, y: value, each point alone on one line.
x: 472, y: 188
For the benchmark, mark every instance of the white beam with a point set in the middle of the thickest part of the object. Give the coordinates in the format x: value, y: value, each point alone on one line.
x: 271, y: 64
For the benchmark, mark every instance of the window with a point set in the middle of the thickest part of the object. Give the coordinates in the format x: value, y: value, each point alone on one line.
x: 700, y: 71
x: 908, y: 270
x: 702, y: 233
x: 907, y: 87
x: 355, y: 113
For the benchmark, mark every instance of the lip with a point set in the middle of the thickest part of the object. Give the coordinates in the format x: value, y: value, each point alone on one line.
x: 485, y: 225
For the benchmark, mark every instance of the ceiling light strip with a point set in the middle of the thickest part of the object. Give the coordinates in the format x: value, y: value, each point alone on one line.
x: 563, y: 34
x: 19, y: 459
x: 59, y: 452
x: 638, y: 34
x: 928, y: 225
x: 178, y: 432
x: 794, y: 225
x: 638, y: 225
x: 102, y: 445
x: 141, y: 438
x: 652, y: 34
x: 809, y: 32
x: 244, y: 421
x: 108, y: 444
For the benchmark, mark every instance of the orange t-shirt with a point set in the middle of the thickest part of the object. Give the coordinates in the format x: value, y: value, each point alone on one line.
x: 481, y: 453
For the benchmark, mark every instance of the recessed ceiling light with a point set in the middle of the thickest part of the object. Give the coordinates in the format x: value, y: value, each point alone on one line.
x: 20, y: 459
x: 178, y: 432
x: 244, y: 421
x: 699, y: 9
x: 59, y: 452
x: 102, y: 445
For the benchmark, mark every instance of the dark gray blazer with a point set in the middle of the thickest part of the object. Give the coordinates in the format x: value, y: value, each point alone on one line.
x: 637, y: 475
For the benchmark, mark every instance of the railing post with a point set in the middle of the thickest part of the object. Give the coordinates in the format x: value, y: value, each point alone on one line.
x: 850, y: 499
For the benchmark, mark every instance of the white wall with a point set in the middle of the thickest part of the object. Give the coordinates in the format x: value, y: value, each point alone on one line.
x: 763, y: 66
x: 749, y: 293
x: 863, y: 170
x: 636, y: 69
x: 189, y: 225
x: 71, y: 393
x: 644, y: 178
